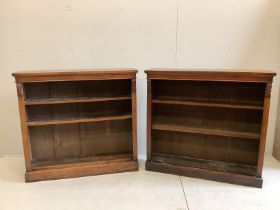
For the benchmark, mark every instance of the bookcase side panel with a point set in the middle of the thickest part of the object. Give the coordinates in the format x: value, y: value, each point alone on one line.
x: 24, y: 128
x: 264, y: 128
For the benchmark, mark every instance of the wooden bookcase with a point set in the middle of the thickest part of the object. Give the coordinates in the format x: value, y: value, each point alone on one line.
x: 77, y: 123
x: 208, y: 124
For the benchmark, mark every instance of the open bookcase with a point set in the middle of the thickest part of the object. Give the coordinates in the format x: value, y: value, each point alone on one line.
x: 208, y: 124
x: 78, y: 123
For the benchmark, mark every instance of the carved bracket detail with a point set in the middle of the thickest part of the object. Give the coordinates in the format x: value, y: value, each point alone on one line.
x: 268, y: 89
x: 19, y: 89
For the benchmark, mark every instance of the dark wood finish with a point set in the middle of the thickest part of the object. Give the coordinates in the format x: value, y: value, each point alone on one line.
x: 102, y: 159
x: 77, y: 100
x: 73, y: 75
x: 206, y: 164
x: 209, y: 124
x: 240, y: 75
x: 228, y: 121
x: 78, y: 122
x: 207, y: 147
x: 149, y: 115
x: 81, y: 170
x: 134, y: 118
x: 206, y: 131
x: 194, y: 103
x: 264, y: 128
x: 42, y: 137
x: 210, y: 93
x: 250, y: 181
x: 24, y: 129
x: 109, y: 137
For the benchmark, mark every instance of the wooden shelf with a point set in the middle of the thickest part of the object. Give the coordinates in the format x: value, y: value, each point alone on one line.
x: 206, y: 104
x: 206, y: 131
x: 78, y: 161
x: 209, y: 124
x: 78, y: 120
x: 74, y: 100
x: 205, y: 164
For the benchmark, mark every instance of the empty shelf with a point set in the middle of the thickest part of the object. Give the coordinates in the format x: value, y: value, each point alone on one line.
x: 206, y: 131
x: 207, y: 104
x: 78, y: 120
x: 73, y: 100
x: 101, y: 159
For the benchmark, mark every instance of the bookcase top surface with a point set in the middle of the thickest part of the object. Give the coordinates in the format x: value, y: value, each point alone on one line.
x: 74, y: 74
x: 211, y: 74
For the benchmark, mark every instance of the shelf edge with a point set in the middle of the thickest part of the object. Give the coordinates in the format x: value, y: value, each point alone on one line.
x: 182, y: 129
x: 81, y: 120
x: 205, y: 104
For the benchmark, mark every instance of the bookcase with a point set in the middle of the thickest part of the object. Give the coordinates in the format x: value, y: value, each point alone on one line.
x: 77, y: 122
x: 208, y: 124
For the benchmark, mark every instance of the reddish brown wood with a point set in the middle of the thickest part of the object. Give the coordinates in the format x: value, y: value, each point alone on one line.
x: 74, y: 75
x: 24, y: 129
x: 76, y: 100
x: 149, y: 119
x: 206, y: 164
x: 103, y: 159
x: 78, y: 122
x: 207, y: 131
x: 245, y: 180
x: 264, y: 129
x: 209, y: 124
x: 80, y: 170
x: 211, y: 75
x: 134, y: 118
x: 195, y: 103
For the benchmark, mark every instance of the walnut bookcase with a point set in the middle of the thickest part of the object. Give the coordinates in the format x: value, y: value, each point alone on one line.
x: 78, y: 122
x: 209, y: 124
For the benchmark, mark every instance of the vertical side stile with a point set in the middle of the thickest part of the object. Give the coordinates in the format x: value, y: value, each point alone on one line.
x: 24, y: 128
x: 264, y: 128
x: 134, y: 118
x: 149, y: 118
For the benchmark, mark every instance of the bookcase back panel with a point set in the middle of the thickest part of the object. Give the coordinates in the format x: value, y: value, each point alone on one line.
x: 104, y: 108
x: 74, y: 89
x: 104, y: 88
x: 209, y: 91
x: 42, y: 143
x: 78, y: 110
x: 63, y: 89
x: 106, y: 138
x: 208, y: 117
x: 39, y: 112
x: 61, y: 111
x: 59, y: 142
x: 36, y: 90
x: 225, y: 149
x: 66, y: 141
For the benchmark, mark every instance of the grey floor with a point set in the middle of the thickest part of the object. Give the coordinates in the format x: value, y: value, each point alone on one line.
x: 134, y: 190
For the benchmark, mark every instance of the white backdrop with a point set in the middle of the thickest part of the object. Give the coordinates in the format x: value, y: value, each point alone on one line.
x: 51, y: 34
